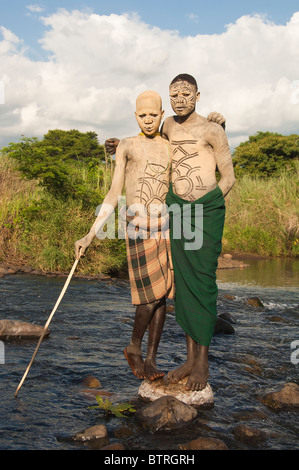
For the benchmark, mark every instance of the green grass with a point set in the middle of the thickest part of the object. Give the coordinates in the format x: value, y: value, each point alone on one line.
x: 263, y: 217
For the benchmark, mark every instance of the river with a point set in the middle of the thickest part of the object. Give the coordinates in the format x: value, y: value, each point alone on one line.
x: 89, y: 332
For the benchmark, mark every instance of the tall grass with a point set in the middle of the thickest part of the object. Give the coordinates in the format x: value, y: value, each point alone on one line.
x: 40, y: 230
x: 263, y: 216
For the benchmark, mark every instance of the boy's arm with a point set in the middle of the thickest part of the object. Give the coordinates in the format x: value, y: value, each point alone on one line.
x: 223, y: 158
x: 110, y: 201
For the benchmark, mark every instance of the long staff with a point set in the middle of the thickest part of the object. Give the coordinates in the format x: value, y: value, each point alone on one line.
x: 48, y: 323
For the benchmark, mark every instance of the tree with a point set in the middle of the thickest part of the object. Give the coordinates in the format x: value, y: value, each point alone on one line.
x: 67, y: 164
x: 266, y: 154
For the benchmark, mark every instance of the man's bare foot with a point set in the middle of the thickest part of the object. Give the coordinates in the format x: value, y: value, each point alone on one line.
x: 174, y: 376
x: 150, y: 370
x: 135, y: 361
x: 199, y: 376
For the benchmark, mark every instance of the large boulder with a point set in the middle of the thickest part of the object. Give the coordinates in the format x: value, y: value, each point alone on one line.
x: 14, y: 329
x: 164, y: 414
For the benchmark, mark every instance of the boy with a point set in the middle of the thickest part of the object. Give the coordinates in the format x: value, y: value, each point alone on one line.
x: 143, y: 164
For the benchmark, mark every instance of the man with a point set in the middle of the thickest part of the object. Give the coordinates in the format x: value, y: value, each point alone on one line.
x: 199, y: 147
x: 143, y: 164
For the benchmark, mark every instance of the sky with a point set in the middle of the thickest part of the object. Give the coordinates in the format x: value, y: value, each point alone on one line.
x: 75, y: 64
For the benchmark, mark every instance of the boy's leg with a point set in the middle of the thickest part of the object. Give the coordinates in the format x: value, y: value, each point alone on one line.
x: 155, y: 331
x: 143, y: 317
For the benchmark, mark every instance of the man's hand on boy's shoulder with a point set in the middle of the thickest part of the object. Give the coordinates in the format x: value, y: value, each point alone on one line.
x: 111, y: 145
x: 217, y: 118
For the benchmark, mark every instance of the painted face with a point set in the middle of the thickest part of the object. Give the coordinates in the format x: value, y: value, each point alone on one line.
x: 149, y: 114
x: 183, y: 97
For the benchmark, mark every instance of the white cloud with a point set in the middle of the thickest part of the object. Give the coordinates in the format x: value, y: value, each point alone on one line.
x: 192, y: 17
x: 34, y: 8
x: 97, y: 66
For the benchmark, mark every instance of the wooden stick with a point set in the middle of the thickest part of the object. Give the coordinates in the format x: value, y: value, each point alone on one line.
x: 48, y: 323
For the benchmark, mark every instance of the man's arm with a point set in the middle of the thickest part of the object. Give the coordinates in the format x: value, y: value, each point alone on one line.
x: 110, y: 201
x: 223, y: 158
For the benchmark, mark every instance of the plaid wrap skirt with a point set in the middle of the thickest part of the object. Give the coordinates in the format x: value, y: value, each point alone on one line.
x: 150, y: 267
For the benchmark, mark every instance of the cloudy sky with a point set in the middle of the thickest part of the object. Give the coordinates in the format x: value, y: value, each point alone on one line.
x: 81, y: 64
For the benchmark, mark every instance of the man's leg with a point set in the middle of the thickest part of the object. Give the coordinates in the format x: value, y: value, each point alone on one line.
x: 155, y: 331
x: 200, y: 371
x: 143, y: 316
x: 183, y: 371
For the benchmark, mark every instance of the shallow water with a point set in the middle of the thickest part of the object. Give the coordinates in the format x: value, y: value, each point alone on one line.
x: 89, y: 332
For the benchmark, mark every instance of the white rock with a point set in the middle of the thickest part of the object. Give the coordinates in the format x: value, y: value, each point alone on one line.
x: 152, y: 390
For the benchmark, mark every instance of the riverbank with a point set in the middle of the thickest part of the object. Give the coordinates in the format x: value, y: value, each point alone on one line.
x: 226, y: 261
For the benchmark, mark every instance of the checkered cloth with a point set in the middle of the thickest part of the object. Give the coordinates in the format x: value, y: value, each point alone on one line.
x: 150, y: 267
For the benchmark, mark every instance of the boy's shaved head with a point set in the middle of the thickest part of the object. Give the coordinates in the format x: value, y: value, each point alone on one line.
x: 151, y: 98
x: 149, y: 112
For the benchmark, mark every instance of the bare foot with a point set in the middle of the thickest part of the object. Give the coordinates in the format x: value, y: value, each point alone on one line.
x: 135, y: 361
x: 174, y: 376
x: 150, y: 370
x: 198, y: 377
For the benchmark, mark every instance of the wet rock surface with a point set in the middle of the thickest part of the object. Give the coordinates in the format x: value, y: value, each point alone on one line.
x: 286, y: 397
x: 164, y: 414
x: 249, y: 435
x: 16, y: 330
x: 204, y: 443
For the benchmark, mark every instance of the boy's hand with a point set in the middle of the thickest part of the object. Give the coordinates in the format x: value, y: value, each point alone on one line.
x: 111, y: 145
x: 217, y: 118
x: 82, y: 245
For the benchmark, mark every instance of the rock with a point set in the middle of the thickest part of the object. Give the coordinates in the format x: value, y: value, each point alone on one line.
x: 223, y: 326
x: 229, y: 297
x: 255, y: 302
x: 165, y: 413
x: 153, y: 389
x: 97, y: 435
x: 249, y: 435
x: 286, y: 397
x: 227, y: 317
x: 169, y: 308
x: 91, y: 382
x: 278, y: 319
x: 115, y: 446
x: 204, y: 443
x: 14, y: 329
x: 227, y: 256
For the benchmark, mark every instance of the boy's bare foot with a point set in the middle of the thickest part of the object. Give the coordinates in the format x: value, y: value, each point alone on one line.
x: 150, y: 370
x: 135, y: 361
